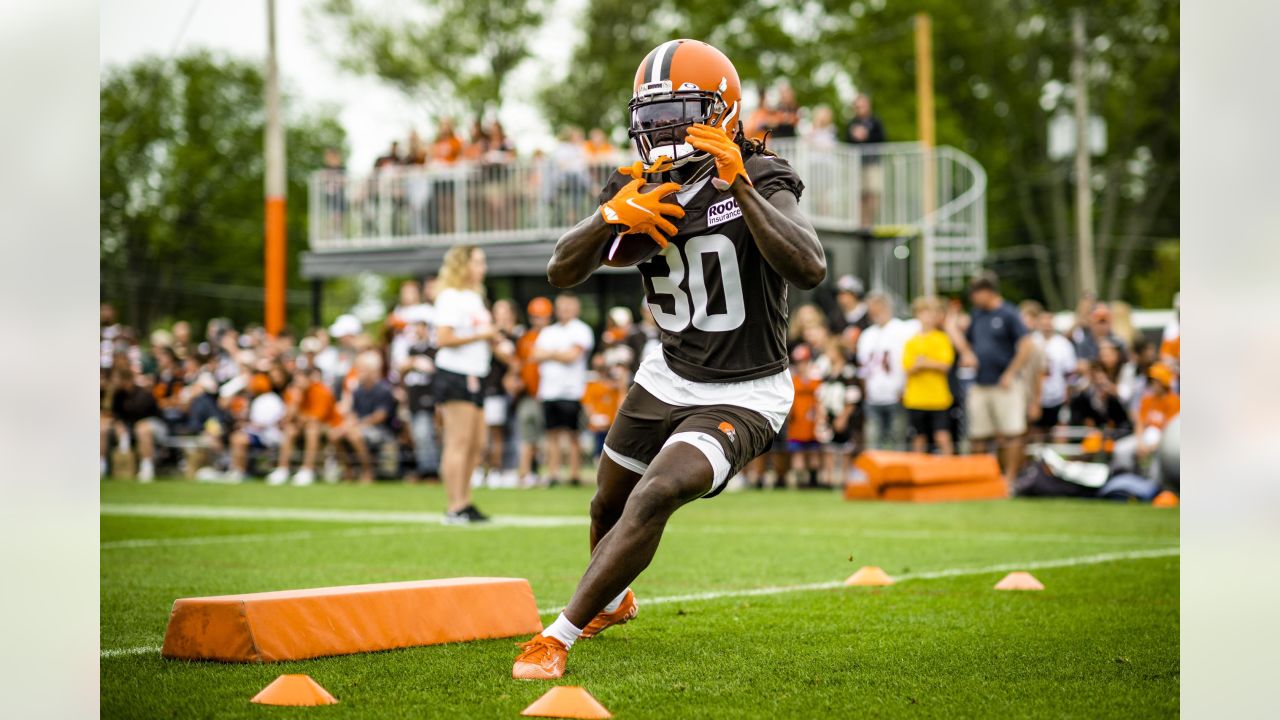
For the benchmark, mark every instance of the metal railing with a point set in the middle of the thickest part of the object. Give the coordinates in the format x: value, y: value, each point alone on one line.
x: 870, y: 187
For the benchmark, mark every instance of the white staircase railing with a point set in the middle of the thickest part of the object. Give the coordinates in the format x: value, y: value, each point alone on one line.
x: 881, y: 188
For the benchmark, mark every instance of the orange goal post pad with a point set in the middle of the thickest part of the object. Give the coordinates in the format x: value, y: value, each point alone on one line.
x: 300, y: 624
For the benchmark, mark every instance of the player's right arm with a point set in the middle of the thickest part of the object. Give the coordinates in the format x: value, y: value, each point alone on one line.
x: 623, y: 209
x: 579, y: 252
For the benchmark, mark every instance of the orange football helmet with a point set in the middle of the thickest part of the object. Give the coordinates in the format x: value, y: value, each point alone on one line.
x: 679, y: 83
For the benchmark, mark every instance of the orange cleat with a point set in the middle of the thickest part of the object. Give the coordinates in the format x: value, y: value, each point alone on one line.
x: 543, y: 658
x: 626, y: 611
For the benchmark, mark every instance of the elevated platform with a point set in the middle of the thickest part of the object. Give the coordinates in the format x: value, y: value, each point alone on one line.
x: 401, y: 221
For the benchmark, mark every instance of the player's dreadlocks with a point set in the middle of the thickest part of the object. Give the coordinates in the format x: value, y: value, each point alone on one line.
x: 751, y: 146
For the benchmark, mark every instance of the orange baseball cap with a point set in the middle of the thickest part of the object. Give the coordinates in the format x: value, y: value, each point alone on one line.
x: 1161, y: 373
x: 540, y: 307
x: 260, y: 384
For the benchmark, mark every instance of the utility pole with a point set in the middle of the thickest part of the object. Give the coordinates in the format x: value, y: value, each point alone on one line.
x: 1084, y: 192
x: 274, y: 264
x: 924, y: 120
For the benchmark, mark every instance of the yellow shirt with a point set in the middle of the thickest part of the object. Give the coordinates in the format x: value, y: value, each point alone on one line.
x: 927, y: 389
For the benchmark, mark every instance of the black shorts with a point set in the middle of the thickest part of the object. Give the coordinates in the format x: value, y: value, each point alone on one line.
x: 562, y: 414
x: 1048, y: 417
x: 644, y: 423
x: 924, y: 423
x: 448, y: 386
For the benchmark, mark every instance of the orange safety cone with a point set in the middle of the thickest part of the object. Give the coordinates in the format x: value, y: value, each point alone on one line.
x: 1166, y: 499
x: 869, y: 575
x: 1019, y: 581
x: 567, y: 701
x: 294, y: 690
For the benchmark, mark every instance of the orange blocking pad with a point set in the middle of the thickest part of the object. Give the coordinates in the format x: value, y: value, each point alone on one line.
x: 567, y: 701
x: 294, y: 690
x: 300, y: 624
x: 991, y: 490
x: 918, y: 477
x: 860, y: 491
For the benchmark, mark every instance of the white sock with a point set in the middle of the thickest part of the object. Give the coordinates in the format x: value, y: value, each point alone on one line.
x: 614, y: 603
x: 563, y: 630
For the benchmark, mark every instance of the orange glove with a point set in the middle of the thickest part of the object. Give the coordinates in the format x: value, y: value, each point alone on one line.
x: 720, y: 146
x: 642, y: 212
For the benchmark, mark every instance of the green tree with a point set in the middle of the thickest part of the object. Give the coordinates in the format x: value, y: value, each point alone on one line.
x: 766, y: 41
x: 1155, y: 288
x: 181, y: 189
x: 1001, y: 69
x: 456, y: 53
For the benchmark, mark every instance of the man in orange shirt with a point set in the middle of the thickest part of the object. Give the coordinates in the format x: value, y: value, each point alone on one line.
x: 1160, y: 405
x: 1157, y: 408
x: 529, y: 420
x: 598, y: 147
x: 310, y: 410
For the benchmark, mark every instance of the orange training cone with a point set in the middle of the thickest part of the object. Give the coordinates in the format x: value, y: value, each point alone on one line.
x: 869, y: 575
x: 294, y: 690
x: 1019, y: 581
x: 1165, y: 499
x: 567, y: 701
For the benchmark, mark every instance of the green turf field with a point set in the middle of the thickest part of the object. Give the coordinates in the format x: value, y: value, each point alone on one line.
x: 1100, y: 641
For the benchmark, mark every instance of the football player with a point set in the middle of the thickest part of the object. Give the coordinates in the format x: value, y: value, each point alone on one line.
x: 717, y: 391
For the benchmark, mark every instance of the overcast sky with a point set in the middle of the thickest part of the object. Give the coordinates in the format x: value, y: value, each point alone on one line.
x: 371, y: 113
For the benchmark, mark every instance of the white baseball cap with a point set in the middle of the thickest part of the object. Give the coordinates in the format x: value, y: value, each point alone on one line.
x: 346, y: 325
x: 850, y: 283
x: 620, y: 316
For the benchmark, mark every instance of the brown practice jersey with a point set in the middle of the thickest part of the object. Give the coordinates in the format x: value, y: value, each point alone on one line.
x: 720, y: 306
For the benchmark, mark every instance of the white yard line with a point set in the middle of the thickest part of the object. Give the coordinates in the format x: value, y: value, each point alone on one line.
x: 121, y: 652
x: 926, y: 534
x: 218, y: 512
x: 260, y: 537
x: 780, y: 589
x: 926, y: 575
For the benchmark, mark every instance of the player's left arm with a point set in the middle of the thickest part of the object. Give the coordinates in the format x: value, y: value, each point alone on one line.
x: 784, y: 235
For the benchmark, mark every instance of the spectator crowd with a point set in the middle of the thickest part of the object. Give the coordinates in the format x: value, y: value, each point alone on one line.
x: 450, y: 387
x: 454, y: 387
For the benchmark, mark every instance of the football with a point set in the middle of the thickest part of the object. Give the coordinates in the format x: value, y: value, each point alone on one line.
x: 633, y: 248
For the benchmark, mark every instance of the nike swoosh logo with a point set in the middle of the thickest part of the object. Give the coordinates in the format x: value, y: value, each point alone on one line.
x: 632, y: 203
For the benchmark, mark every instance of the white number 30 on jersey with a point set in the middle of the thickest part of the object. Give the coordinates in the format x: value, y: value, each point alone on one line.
x: 693, y: 304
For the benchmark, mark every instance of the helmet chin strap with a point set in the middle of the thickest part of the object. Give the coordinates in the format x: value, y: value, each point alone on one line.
x: 693, y: 172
